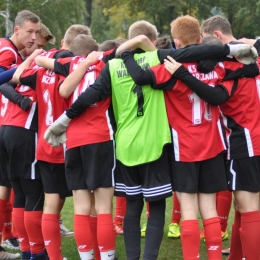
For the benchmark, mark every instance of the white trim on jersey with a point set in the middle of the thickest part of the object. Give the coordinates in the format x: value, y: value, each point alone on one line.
x: 111, y: 132
x: 175, y: 143
x: 249, y: 142
x: 227, y: 136
x: 9, y: 49
x: 234, y: 175
x: 221, y: 133
x: 30, y: 116
x: 35, y: 161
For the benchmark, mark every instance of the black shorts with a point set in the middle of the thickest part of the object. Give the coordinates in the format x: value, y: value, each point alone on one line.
x: 244, y: 174
x: 150, y: 180
x: 53, y: 179
x: 90, y: 166
x: 17, y: 153
x: 208, y: 176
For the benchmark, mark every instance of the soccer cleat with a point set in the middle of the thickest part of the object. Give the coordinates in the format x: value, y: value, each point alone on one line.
x: 65, y: 232
x: 202, y: 235
x: 11, y: 243
x: 174, y: 231
x: 226, y: 251
x: 143, y: 230
x: 119, y: 229
x: 7, y: 255
x: 224, y: 235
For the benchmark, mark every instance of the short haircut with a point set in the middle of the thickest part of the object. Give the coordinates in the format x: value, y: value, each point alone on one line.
x: 25, y: 16
x: 186, y: 29
x: 108, y: 45
x: 143, y: 27
x: 46, y: 34
x: 120, y: 40
x: 216, y: 22
x: 211, y: 40
x: 82, y: 45
x: 164, y: 42
x: 75, y: 30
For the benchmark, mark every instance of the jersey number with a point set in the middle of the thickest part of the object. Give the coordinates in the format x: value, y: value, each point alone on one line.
x: 47, y: 100
x: 197, y: 104
x: 4, y: 105
x: 140, y: 100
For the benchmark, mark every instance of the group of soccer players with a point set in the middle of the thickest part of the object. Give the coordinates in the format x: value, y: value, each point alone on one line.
x: 140, y: 125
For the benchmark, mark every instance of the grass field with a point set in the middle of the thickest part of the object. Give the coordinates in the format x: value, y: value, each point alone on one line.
x: 170, y: 248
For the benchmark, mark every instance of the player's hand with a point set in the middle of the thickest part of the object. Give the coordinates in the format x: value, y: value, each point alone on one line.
x: 93, y: 57
x: 171, y: 64
x: 247, y: 41
x: 206, y: 66
x: 244, y: 53
x: 57, y: 129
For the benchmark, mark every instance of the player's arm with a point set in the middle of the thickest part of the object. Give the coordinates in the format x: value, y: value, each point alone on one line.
x: 212, y: 95
x: 138, y: 42
x: 6, y: 75
x: 25, y: 65
x: 47, y: 63
x: 8, y: 90
x: 242, y: 52
x: 74, y: 78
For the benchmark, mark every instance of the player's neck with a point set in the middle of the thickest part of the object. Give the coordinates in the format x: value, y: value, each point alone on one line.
x: 16, y: 42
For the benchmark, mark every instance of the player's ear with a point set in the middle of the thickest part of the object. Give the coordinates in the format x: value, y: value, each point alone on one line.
x: 177, y: 43
x: 16, y: 29
x: 62, y: 42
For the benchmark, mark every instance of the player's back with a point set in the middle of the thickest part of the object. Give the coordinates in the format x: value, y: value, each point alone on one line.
x: 140, y: 114
x: 196, y: 128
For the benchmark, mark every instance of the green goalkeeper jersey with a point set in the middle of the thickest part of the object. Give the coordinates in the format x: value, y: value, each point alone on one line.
x: 140, y: 114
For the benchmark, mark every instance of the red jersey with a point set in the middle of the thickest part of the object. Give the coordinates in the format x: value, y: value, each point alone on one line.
x: 241, y: 113
x: 196, y: 126
x: 9, y: 54
x: 50, y: 106
x: 93, y: 125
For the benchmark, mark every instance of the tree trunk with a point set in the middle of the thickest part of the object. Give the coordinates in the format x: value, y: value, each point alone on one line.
x: 87, y: 16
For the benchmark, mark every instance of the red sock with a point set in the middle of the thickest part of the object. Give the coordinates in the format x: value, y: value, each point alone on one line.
x: 93, y: 228
x: 190, y: 239
x: 224, y: 200
x: 3, y: 204
x: 51, y: 235
x: 147, y: 209
x: 176, y: 210
x: 105, y: 232
x: 235, y: 243
x: 250, y: 235
x: 12, y: 201
x: 33, y: 226
x: 120, y: 210
x: 7, y: 230
x: 18, y: 220
x: 213, y: 238
x: 82, y: 233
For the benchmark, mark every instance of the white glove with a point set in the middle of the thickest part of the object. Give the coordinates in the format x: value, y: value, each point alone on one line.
x: 55, y: 134
x: 244, y: 53
x: 52, y: 139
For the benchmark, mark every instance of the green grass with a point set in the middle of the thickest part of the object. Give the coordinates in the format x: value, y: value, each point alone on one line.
x: 170, y: 248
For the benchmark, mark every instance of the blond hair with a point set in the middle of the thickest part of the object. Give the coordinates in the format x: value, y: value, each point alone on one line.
x: 82, y: 45
x: 214, y: 23
x: 186, y: 29
x: 46, y: 34
x: 143, y: 27
x: 24, y: 16
x: 75, y: 30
